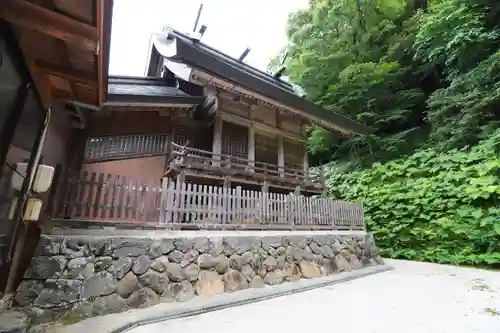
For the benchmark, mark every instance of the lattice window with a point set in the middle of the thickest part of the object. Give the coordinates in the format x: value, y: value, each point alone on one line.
x: 234, y: 140
x: 266, y: 149
x: 183, y: 134
x: 294, y: 154
x: 101, y: 148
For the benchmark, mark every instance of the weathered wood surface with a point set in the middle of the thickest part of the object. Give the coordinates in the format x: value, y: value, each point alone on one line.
x: 202, y: 204
x: 107, y: 197
x: 205, y: 162
x: 100, y: 197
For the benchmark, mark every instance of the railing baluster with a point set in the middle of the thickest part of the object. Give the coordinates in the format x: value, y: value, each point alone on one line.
x: 188, y: 202
x: 68, y: 190
x: 211, y: 210
x: 106, y: 197
x: 97, y: 199
x: 90, y: 194
x: 170, y: 212
x: 113, y: 198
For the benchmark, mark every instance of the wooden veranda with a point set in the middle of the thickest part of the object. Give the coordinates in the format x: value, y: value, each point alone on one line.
x: 187, y: 163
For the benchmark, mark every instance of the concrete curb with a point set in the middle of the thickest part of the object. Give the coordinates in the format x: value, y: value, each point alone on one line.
x: 201, y: 305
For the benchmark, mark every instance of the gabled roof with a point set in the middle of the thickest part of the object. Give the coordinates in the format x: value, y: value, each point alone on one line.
x: 122, y: 89
x: 180, y: 48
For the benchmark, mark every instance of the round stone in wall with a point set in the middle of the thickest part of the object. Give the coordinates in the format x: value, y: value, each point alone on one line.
x: 222, y: 264
x: 176, y: 256
x: 189, y: 257
x: 120, y: 267
x: 291, y: 272
x: 141, y: 264
x: 341, y: 263
x: 248, y: 272
x: 206, y: 261
x: 57, y: 293
x: 175, y: 272
x: 143, y: 298
x: 209, y: 283
x: 46, y: 267
x: 160, y: 264
x: 103, y: 283
x: 161, y: 247
x: 28, y: 291
x: 270, y: 263
x: 181, y: 291
x: 102, y: 263
x: 127, y: 285
x: 309, y: 269
x: 257, y: 282
x: 274, y: 277
x: 154, y: 280
x: 234, y: 281
x: 108, y: 304
x: 192, y: 272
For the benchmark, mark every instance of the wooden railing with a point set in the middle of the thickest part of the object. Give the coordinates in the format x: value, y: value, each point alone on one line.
x: 109, y: 198
x: 99, y: 149
x: 207, y: 161
x: 106, y: 197
x: 202, y: 204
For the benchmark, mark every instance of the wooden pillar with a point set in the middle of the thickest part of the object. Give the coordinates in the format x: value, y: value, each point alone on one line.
x: 323, y: 181
x: 251, y: 147
x: 226, y: 191
x: 297, y: 190
x: 281, y: 156
x: 217, y: 143
x: 179, y: 190
x: 165, y: 182
x: 265, y: 187
x: 305, y: 160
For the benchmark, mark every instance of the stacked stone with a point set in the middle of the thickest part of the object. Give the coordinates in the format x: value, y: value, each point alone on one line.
x: 94, y: 276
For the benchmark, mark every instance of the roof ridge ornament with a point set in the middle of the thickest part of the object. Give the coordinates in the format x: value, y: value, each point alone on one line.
x: 196, y: 36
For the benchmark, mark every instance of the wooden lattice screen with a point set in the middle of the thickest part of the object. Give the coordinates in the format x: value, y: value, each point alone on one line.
x: 294, y: 154
x: 266, y: 149
x: 183, y: 134
x: 234, y: 140
x: 103, y: 148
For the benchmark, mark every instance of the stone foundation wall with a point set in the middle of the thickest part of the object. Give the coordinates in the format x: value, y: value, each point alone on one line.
x: 88, y: 275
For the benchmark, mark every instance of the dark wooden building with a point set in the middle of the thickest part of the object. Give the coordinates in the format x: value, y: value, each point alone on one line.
x: 202, y: 137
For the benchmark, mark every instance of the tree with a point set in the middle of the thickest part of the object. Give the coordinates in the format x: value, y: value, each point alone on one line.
x: 419, y: 73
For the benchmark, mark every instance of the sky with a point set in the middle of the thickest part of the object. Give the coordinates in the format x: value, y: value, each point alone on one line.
x: 232, y: 26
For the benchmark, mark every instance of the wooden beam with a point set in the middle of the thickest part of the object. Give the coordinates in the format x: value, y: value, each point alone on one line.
x: 235, y: 119
x: 217, y: 142
x: 281, y: 155
x: 66, y: 72
x: 41, y: 82
x: 305, y: 159
x: 278, y: 118
x: 104, y: 13
x: 251, y: 146
x: 30, y: 16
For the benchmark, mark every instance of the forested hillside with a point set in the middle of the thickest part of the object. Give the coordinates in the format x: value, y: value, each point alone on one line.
x: 425, y: 75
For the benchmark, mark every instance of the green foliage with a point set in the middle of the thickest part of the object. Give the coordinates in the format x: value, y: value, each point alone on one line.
x: 442, y: 207
x: 417, y: 74
x: 469, y: 108
x: 453, y: 36
x: 426, y: 76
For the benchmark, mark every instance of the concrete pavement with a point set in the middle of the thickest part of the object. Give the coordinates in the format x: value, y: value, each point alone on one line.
x: 414, y: 297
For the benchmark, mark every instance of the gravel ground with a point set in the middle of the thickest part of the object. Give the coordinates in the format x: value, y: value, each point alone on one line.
x: 414, y: 297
